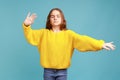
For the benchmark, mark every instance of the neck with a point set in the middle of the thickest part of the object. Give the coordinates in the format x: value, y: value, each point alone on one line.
x: 56, y: 28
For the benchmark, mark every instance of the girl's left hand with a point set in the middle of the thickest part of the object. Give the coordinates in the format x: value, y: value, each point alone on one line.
x: 108, y: 46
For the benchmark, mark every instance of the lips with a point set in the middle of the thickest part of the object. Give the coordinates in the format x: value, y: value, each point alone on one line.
x: 55, y: 21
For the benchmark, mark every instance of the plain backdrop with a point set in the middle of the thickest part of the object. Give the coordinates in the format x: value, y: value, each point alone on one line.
x: 99, y: 19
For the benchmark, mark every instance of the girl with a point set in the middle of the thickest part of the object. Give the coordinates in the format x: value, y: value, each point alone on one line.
x: 56, y: 44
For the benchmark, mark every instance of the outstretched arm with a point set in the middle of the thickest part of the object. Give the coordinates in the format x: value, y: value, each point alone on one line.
x: 85, y: 43
x: 108, y: 46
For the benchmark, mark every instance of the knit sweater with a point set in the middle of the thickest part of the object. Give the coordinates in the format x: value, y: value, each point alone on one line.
x: 56, y: 49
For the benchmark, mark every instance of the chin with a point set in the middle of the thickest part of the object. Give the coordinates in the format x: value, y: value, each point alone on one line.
x: 56, y: 24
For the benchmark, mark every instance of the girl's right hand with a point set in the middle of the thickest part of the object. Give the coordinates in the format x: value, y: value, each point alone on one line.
x: 30, y: 19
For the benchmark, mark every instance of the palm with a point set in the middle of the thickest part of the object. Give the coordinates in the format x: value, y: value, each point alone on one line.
x: 30, y: 19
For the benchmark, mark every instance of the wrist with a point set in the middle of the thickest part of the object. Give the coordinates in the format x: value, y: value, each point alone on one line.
x: 26, y: 25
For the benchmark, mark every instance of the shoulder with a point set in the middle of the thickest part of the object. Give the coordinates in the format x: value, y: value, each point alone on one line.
x: 74, y: 34
x: 43, y: 30
x: 70, y: 32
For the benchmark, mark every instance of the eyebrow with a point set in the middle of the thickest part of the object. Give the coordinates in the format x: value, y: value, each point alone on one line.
x: 56, y: 15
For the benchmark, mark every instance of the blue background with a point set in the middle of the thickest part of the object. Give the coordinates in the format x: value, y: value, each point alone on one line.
x: 99, y: 19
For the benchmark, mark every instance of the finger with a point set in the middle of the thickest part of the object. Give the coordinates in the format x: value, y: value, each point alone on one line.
x: 28, y: 15
x: 33, y: 16
x: 112, y: 42
x: 113, y: 47
x: 105, y: 47
x: 30, y: 19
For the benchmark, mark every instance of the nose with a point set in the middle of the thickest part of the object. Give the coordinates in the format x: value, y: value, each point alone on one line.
x: 55, y: 17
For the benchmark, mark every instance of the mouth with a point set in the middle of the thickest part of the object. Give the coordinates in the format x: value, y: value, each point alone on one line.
x: 55, y: 21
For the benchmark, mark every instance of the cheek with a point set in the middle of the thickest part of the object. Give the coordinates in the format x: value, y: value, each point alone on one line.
x: 51, y: 20
x: 60, y: 20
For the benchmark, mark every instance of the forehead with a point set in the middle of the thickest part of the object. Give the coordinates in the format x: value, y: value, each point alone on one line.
x: 55, y: 12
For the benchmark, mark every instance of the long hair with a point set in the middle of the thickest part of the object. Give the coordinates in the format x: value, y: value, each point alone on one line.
x: 63, y: 23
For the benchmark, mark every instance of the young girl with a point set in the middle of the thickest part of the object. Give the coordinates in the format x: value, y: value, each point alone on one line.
x: 56, y: 44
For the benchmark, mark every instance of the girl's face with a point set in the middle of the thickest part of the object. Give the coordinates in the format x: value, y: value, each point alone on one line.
x: 55, y: 18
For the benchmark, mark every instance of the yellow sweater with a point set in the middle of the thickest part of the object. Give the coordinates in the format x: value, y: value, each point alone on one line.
x: 56, y: 49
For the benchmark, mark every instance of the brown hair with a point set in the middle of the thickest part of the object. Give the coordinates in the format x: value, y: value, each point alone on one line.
x: 63, y: 24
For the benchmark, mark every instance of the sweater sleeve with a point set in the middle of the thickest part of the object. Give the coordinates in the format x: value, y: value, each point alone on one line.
x: 85, y: 43
x: 32, y: 36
